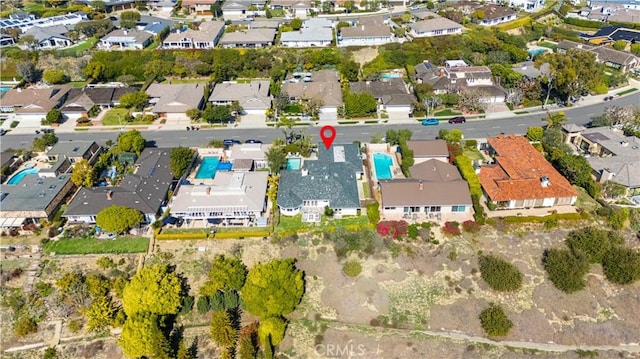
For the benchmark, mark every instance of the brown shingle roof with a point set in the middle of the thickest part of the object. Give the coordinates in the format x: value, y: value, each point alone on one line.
x: 518, y: 172
x: 435, y: 171
x: 428, y: 148
x: 406, y: 192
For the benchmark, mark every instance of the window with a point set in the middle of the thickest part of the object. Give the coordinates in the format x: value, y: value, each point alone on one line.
x: 434, y: 209
x: 389, y: 208
x: 457, y: 208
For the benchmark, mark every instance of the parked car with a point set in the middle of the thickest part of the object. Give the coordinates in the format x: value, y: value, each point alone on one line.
x: 229, y: 142
x: 252, y: 141
x: 2, y: 131
x: 430, y: 122
x: 457, y: 119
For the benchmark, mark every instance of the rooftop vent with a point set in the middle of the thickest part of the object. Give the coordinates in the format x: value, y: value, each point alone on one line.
x: 545, y: 182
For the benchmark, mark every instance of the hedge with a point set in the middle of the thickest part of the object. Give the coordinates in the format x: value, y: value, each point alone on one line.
x: 241, y: 234
x: 181, y: 236
x: 467, y: 171
x: 543, y: 219
x: 514, y: 24
x: 584, y: 23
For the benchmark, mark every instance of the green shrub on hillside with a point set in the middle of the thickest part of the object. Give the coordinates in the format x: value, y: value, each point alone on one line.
x: 494, y: 321
x: 566, y: 269
x: 621, y: 265
x: 499, y: 274
x: 593, y: 242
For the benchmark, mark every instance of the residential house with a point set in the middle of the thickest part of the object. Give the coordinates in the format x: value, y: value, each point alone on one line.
x: 253, y: 97
x: 145, y: 190
x: 265, y: 24
x: 34, y: 199
x: 393, y: 95
x: 9, y: 163
x: 495, y: 14
x: 612, y: 155
x: 206, y: 37
x: 232, y: 197
x: 524, y: 5
x: 6, y: 40
x: 435, y: 188
x: 315, y: 32
x: 321, y: 87
x: 81, y: 101
x: 371, y: 31
x: 172, y: 101
x: 161, y: 5
x: 199, y: 7
x: 427, y: 73
x: 243, y: 8
x: 31, y: 105
x: 435, y: 27
x: 126, y: 39
x: 50, y: 37
x: 297, y: 8
x: 620, y: 4
x: 330, y: 181
x: 424, y: 14
x: 426, y: 150
x: 115, y: 5
x: 613, y: 33
x: 621, y: 60
x: 250, y: 38
x: 74, y: 151
x: 25, y: 23
x: 247, y: 156
x: 529, y: 69
x: 521, y: 177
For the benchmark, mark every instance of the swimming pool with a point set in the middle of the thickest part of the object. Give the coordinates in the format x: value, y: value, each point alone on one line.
x: 294, y: 163
x: 4, y: 89
x: 208, y: 167
x: 20, y: 175
x: 390, y: 76
x: 382, y: 163
x: 537, y: 51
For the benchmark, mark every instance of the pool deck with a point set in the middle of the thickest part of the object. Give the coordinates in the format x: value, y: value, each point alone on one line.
x: 387, y: 150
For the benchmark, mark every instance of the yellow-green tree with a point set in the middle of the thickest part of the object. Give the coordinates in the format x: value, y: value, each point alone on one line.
x: 222, y: 331
x: 273, y: 289
x: 274, y: 327
x: 227, y: 273
x: 155, y: 289
x: 118, y: 219
x: 100, y: 313
x: 142, y: 336
x: 83, y: 174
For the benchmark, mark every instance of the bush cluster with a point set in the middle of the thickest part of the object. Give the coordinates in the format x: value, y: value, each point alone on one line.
x: 352, y: 268
x: 394, y: 229
x: 499, y: 274
x: 241, y: 234
x: 451, y: 228
x: 494, y: 321
x: 179, y: 236
x: 373, y: 213
x: 471, y: 226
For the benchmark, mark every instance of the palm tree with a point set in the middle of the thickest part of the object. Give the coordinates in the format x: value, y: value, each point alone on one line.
x: 555, y: 120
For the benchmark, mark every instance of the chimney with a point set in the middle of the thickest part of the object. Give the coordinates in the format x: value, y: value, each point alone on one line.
x: 208, y: 191
x: 126, y: 32
x: 109, y: 195
x: 304, y: 172
x: 441, y: 72
x: 544, y: 181
x: 362, y: 27
x: 420, y: 185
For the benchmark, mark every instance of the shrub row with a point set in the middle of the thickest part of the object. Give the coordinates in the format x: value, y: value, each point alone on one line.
x: 515, y: 24
x: 584, y: 23
x: 543, y: 219
x: 179, y: 236
x: 241, y: 234
x: 465, y: 166
x: 373, y: 213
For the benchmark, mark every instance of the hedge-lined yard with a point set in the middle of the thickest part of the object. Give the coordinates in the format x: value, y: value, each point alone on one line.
x: 92, y: 245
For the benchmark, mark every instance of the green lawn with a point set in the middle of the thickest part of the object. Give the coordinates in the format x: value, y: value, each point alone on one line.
x: 627, y: 91
x: 366, y: 190
x: 92, y: 245
x: 585, y: 201
x: 472, y: 154
x: 77, y: 84
x: 447, y: 112
x: 183, y: 230
x: 81, y: 47
x: 295, y: 223
x: 116, y: 117
x: 548, y: 45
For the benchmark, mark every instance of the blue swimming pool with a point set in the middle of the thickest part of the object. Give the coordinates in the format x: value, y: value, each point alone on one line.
x: 535, y: 52
x: 20, y: 175
x: 208, y: 167
x: 390, y: 76
x: 294, y: 163
x: 383, y: 163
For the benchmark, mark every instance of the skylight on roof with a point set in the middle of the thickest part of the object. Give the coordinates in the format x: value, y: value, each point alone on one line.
x: 338, y: 154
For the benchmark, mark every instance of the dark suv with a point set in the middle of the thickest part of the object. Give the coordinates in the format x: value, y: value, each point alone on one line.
x: 230, y: 142
x: 457, y: 119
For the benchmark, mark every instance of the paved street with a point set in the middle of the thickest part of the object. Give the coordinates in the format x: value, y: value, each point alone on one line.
x: 481, y: 128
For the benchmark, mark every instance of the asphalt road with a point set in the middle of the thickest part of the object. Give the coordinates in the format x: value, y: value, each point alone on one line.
x: 481, y: 128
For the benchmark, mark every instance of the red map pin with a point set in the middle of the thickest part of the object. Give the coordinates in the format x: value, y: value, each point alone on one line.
x: 328, y: 134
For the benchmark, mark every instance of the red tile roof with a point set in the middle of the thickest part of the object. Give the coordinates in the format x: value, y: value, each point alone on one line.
x: 519, y: 171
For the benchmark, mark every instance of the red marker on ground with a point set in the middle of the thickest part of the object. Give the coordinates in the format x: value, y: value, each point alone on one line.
x: 328, y: 138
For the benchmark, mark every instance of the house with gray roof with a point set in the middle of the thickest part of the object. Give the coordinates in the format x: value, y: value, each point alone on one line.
x: 496, y: 14
x: 230, y: 196
x: 365, y: 34
x: 297, y: 8
x: 81, y: 101
x: 6, y: 40
x: 171, y: 101
x: 31, y: 105
x: 254, y: 96
x: 322, y: 87
x: 435, y: 27
x: 126, y: 39
x: 50, y: 37
x: 144, y: 190
x: 435, y: 188
x: 34, y: 199
x: 242, y: 8
x: 206, y: 37
x: 331, y: 180
x: 612, y: 155
x: 74, y: 151
x: 250, y: 38
x: 392, y: 95
x: 315, y: 32
x: 621, y: 60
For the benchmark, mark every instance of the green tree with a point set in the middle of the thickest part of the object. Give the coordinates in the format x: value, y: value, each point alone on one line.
x: 83, y: 174
x: 28, y: 71
x: 571, y: 73
x: 555, y: 120
x: 94, y: 28
x: 274, y: 288
x: 95, y: 70
x: 276, y: 159
x: 534, y: 134
x: 97, y: 285
x: 566, y: 269
x: 55, y: 76
x: 349, y: 69
x: 494, y: 321
x: 595, y: 243
x: 100, y: 314
x: 128, y: 19
x: 217, y: 114
x: 202, y: 305
x: 118, y: 219
x: 53, y: 116
x: 274, y: 327
x: 155, y: 289
x: 295, y: 24
x: 180, y: 159
x: 620, y: 45
x: 635, y: 49
x: 226, y: 273
x: 41, y: 143
x: 131, y: 141
x: 499, y: 274
x: 142, y: 336
x: 98, y: 6
x: 222, y: 331
x: 193, y: 114
x: 359, y: 104
x: 621, y: 265
x: 134, y: 100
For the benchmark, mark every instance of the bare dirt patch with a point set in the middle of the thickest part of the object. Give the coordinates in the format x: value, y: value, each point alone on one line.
x: 365, y: 55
